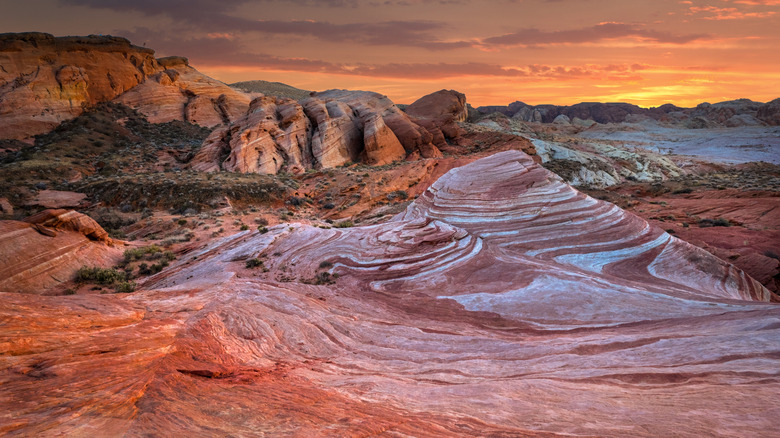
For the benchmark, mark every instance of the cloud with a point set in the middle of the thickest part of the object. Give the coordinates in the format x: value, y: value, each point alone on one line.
x: 599, y: 32
x: 211, y: 17
x: 715, y: 13
x: 758, y: 2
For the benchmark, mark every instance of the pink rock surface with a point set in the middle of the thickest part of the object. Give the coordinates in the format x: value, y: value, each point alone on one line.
x: 57, y: 199
x: 48, y: 248
x: 502, y: 302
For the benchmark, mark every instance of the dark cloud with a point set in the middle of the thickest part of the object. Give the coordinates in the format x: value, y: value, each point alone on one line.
x: 599, y: 32
x: 209, y: 17
x: 220, y: 51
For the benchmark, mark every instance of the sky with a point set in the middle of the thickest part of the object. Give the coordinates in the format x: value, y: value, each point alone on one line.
x: 494, y: 51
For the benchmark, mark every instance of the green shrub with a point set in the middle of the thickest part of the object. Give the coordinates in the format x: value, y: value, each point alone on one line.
x: 105, y: 276
x: 262, y: 229
x: 244, y: 227
x: 344, y: 224
x: 124, y: 287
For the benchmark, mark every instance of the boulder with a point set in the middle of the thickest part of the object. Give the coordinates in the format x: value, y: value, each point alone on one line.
x: 440, y: 113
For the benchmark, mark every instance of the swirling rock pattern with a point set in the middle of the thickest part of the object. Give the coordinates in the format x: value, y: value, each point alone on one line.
x: 502, y: 302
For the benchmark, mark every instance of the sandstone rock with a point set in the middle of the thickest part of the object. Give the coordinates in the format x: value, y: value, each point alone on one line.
x: 325, y: 130
x: 45, y: 80
x: 182, y: 93
x: 769, y: 112
x: 6, y: 209
x: 48, y: 248
x: 499, y: 290
x: 439, y: 113
x: 366, y: 104
x: 336, y: 137
x: 57, y: 199
x: 274, y: 134
x: 562, y: 119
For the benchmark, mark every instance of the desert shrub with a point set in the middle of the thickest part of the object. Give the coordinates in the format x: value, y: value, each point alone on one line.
x: 125, y: 287
x: 398, y: 194
x: 182, y: 222
x: 719, y: 222
x: 329, y: 206
x: 262, y: 229
x: 150, y: 251
x: 683, y: 191
x: 104, y: 276
x: 344, y: 224
x: 261, y: 221
x: 244, y: 227
x: 254, y: 263
x: 325, y: 264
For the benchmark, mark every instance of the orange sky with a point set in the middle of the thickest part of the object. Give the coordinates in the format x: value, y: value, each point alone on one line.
x: 494, y: 51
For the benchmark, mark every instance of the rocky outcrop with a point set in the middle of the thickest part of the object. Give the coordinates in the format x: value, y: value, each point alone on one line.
x: 769, y: 113
x: 179, y: 92
x: 327, y: 129
x: 45, y: 80
x: 499, y: 290
x: 440, y: 113
x: 48, y: 248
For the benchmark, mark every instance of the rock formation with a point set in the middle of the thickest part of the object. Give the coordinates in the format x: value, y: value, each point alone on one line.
x: 733, y: 113
x: 769, y: 112
x: 501, y: 302
x: 45, y: 80
x: 440, y: 113
x: 179, y: 92
x: 47, y: 249
x: 327, y: 129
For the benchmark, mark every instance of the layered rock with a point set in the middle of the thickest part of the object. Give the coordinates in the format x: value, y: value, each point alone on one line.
x: 327, y: 129
x: 45, y: 80
x: 48, y: 248
x: 179, y: 92
x: 501, y: 302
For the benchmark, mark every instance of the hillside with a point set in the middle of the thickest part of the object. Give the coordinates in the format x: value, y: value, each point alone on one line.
x: 276, y: 89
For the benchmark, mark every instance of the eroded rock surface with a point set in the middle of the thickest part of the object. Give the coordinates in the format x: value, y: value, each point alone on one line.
x: 48, y: 248
x: 502, y: 301
x: 327, y: 129
x: 45, y: 80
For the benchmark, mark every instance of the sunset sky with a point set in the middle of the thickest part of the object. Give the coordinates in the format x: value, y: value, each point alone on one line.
x: 496, y: 52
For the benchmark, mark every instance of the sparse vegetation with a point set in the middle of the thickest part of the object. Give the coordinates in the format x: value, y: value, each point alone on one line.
x: 254, y: 263
x: 344, y: 224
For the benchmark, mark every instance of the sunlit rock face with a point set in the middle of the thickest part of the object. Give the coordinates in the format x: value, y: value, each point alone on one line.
x: 501, y: 302
x: 45, y: 80
x: 328, y: 129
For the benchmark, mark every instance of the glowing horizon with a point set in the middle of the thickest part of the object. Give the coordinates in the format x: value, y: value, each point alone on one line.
x: 537, y: 51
